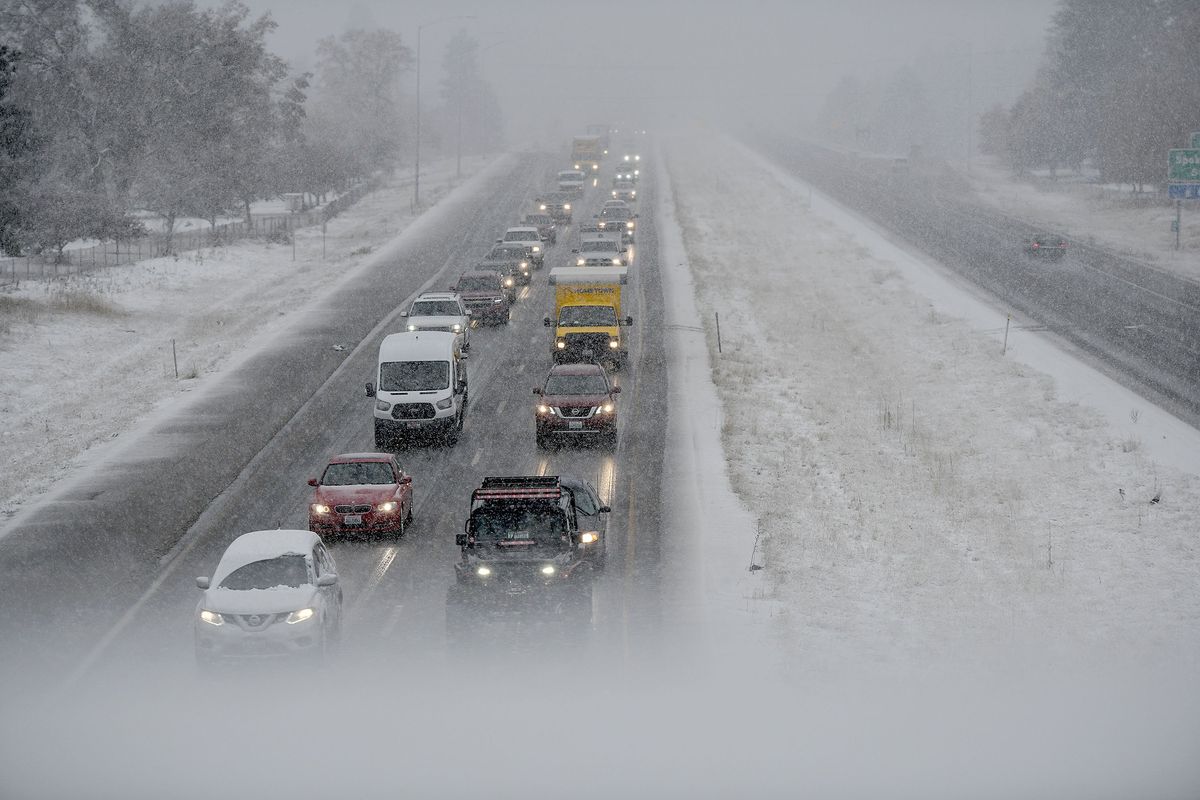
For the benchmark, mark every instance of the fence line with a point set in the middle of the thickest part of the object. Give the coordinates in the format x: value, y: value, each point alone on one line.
x: 129, y: 251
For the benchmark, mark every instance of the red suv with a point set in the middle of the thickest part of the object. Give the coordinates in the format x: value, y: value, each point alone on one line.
x: 576, y: 400
x: 486, y: 295
x: 361, y: 494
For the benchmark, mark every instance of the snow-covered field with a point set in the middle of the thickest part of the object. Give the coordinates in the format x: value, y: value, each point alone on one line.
x: 82, y: 359
x: 925, y: 500
x: 1097, y: 215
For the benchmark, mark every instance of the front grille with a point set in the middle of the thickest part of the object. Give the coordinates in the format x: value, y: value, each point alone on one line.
x: 598, y: 262
x: 596, y: 342
x: 445, y: 328
x: 256, y: 622
x: 575, y: 413
x: 413, y: 411
x: 485, y: 302
x: 362, y: 508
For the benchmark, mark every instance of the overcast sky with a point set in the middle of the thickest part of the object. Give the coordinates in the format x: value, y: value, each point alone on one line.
x: 647, y: 62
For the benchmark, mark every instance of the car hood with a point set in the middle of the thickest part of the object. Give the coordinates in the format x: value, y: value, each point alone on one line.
x: 357, y: 493
x: 482, y: 295
x: 259, y: 601
x: 516, y: 553
x: 574, y: 400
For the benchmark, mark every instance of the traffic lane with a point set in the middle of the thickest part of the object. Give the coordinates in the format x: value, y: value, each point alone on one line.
x: 274, y: 492
x: 87, y: 555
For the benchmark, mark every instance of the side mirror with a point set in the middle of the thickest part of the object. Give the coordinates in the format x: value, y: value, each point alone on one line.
x: 460, y: 540
x: 616, y: 390
x: 624, y: 249
x: 467, y: 313
x: 404, y: 313
x: 370, y: 389
x: 629, y: 320
x: 546, y: 321
x: 202, y: 583
x: 406, y: 480
x: 312, y: 481
x: 498, y: 241
x: 605, y: 510
x: 537, y: 391
x: 328, y: 579
x: 576, y: 250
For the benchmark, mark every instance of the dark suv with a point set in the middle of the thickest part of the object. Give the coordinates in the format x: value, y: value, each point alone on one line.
x: 1046, y: 245
x: 484, y: 294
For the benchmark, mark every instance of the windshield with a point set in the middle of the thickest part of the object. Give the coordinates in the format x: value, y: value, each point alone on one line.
x: 435, y: 308
x: 581, y: 316
x: 521, y: 236
x: 542, y: 524
x: 359, y: 473
x: 506, y: 254
x: 289, y: 570
x: 576, y: 384
x: 413, y: 376
x: 615, y: 213
x: 601, y: 246
x: 478, y: 285
x: 539, y: 219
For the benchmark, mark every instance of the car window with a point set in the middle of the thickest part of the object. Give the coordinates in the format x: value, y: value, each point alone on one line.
x: 515, y: 523
x: 324, y: 561
x: 586, y: 501
x: 360, y: 473
x: 477, y: 284
x: 582, y: 316
x: 434, y: 308
x: 576, y: 384
x: 287, y: 570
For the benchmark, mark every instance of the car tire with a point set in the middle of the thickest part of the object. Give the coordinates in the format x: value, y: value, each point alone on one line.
x: 455, y: 431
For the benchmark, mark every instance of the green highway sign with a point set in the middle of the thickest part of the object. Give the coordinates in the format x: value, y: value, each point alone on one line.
x: 1183, y: 165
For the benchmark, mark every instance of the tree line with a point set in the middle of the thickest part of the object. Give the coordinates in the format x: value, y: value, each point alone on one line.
x: 1119, y: 86
x: 109, y: 108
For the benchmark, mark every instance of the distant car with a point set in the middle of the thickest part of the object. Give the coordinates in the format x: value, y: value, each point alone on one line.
x: 512, y: 260
x: 545, y: 224
x: 576, y: 400
x: 571, y: 180
x: 485, y: 295
x: 601, y: 251
x: 274, y: 594
x: 618, y: 219
x: 361, y: 494
x: 557, y: 205
x: 529, y: 236
x: 440, y: 311
x: 1048, y: 246
x: 624, y: 190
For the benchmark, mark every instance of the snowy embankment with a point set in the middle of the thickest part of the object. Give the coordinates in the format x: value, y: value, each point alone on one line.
x: 931, y: 507
x: 83, y: 360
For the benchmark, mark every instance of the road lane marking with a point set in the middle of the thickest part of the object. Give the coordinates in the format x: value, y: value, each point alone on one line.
x: 500, y: 408
x: 478, y: 455
x: 520, y: 370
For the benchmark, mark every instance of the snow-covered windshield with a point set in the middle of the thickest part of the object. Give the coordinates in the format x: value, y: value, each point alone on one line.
x: 435, y: 308
x: 289, y: 570
x: 479, y: 284
x: 413, y: 376
x: 521, y: 236
x: 580, y: 316
x: 601, y: 246
x: 358, y: 473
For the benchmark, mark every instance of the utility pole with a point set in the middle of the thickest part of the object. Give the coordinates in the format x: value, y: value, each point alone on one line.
x: 417, y: 166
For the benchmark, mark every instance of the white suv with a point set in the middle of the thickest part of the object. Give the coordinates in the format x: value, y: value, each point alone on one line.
x: 440, y: 311
x: 532, y: 239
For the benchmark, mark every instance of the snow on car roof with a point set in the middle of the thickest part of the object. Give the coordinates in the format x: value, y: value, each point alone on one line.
x: 350, y: 458
x: 417, y: 346
x: 262, y: 545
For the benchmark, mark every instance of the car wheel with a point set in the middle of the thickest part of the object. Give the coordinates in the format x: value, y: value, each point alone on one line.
x: 508, y: 316
x: 455, y: 432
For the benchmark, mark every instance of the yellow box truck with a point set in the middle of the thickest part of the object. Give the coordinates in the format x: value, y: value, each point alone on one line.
x: 587, y: 317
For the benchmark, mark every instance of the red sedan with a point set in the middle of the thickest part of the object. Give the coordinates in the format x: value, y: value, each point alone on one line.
x: 360, y: 494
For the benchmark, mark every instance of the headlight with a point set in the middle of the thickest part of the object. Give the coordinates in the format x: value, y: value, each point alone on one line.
x: 497, y: 301
x: 566, y: 206
x: 607, y: 408
x: 629, y: 225
x: 483, y: 572
x: 445, y: 403
x: 548, y: 569
x: 320, y: 508
x: 382, y: 405
x: 637, y: 158
x: 543, y: 409
x: 616, y: 262
x: 456, y: 328
x: 626, y: 158
x: 300, y: 616
x: 579, y: 262
x: 561, y: 344
x: 412, y: 327
x: 542, y: 207
x: 508, y: 281
x: 537, y: 249
x: 613, y: 344
x: 589, y: 537
x: 524, y: 265
x: 212, y: 617
x: 614, y: 193
x: 633, y: 193
x: 387, y: 507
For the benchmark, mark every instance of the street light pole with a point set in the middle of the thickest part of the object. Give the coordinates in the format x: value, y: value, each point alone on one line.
x: 417, y: 166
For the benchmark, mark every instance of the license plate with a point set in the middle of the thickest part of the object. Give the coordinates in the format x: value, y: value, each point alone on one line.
x: 352, y: 519
x: 575, y: 425
x: 412, y: 425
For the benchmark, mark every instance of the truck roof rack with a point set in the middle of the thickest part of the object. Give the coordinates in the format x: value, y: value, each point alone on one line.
x: 529, y: 487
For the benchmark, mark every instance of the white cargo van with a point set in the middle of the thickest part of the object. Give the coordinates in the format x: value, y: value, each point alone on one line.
x: 422, y: 387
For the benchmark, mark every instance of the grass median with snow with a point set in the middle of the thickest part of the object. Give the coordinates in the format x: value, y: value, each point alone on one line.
x: 924, y: 499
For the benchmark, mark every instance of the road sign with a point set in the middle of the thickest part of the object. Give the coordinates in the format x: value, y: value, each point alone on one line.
x: 1195, y: 145
x: 1183, y: 191
x: 1183, y: 166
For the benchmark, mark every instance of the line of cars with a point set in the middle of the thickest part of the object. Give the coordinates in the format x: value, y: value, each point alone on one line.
x: 276, y: 593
